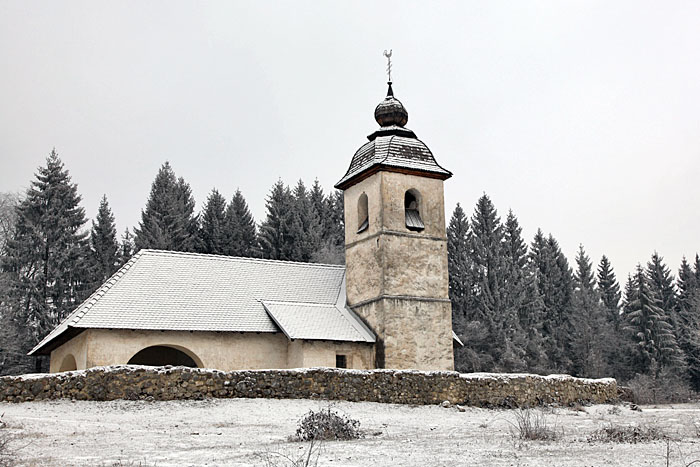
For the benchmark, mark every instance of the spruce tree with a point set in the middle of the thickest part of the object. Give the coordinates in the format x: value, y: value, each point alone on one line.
x: 212, y: 231
x: 306, y: 228
x: 651, y: 331
x: 126, y: 247
x: 332, y: 250
x: 275, y: 235
x: 688, y: 304
x: 240, y: 228
x: 661, y: 281
x: 168, y: 222
x: 609, y: 290
x: 104, y: 246
x: 47, y: 258
x: 459, y: 265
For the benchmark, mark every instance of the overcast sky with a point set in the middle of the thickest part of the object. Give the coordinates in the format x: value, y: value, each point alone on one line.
x: 582, y: 117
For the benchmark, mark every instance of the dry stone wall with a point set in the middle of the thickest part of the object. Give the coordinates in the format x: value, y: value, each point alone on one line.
x: 390, y: 386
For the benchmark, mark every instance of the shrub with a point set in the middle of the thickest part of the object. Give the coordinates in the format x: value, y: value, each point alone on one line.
x: 532, y: 425
x: 627, y: 434
x: 664, y: 388
x: 327, y: 424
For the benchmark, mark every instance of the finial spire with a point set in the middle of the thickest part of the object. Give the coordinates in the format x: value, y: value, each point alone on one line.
x: 388, y: 63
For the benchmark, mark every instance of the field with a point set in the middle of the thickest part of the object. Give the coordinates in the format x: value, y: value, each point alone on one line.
x: 256, y: 431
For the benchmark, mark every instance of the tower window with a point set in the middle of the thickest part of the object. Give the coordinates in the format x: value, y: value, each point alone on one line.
x: 362, y: 213
x: 412, y: 206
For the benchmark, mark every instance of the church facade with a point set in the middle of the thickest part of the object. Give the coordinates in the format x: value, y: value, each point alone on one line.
x: 387, y: 308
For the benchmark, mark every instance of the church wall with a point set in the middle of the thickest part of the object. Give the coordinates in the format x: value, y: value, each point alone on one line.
x: 309, y: 354
x: 76, y: 347
x: 221, y: 350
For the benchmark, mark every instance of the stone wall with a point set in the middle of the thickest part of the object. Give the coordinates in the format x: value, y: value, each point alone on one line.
x: 391, y: 386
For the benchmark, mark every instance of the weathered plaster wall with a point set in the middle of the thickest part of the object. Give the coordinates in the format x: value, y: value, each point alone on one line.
x: 397, y: 279
x: 391, y: 386
x: 76, y: 347
x: 221, y: 350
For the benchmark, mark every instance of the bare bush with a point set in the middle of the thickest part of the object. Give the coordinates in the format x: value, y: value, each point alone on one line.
x: 662, y: 389
x: 327, y: 424
x: 533, y: 425
x: 6, y: 457
x: 627, y: 434
x: 307, y: 457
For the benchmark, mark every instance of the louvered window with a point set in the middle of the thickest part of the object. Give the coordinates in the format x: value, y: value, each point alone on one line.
x: 362, y: 213
x: 412, y: 206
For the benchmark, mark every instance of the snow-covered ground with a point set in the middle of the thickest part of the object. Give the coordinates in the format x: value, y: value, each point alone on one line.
x: 247, y: 431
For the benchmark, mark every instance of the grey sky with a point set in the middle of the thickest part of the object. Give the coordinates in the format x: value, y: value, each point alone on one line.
x: 583, y: 117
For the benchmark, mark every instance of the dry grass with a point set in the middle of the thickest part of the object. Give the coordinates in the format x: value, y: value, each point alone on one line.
x: 628, y: 434
x: 534, y: 425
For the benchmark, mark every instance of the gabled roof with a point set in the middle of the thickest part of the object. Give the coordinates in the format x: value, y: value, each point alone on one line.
x: 166, y: 290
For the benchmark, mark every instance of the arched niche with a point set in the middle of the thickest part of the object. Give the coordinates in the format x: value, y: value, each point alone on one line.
x: 68, y: 363
x: 161, y: 355
x: 362, y: 213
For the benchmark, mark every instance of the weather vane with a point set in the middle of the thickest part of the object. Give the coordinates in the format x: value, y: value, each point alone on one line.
x: 388, y: 62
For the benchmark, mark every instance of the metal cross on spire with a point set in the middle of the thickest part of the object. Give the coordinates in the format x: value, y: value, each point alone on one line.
x: 388, y: 62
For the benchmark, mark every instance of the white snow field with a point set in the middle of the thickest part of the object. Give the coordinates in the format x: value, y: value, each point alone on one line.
x: 242, y: 432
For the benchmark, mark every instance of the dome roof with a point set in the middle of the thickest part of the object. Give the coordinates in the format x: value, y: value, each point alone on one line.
x: 391, y: 111
x: 392, y: 147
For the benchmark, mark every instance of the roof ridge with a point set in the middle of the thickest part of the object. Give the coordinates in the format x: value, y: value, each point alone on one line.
x: 242, y: 258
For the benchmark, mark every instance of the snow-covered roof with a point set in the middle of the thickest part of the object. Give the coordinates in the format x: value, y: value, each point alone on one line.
x: 166, y: 290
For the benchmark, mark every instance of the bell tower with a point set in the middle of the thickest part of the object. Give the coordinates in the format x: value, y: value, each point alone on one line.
x: 396, y: 244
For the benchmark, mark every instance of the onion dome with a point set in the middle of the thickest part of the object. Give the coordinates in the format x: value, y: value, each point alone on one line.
x: 391, y: 111
x: 392, y: 148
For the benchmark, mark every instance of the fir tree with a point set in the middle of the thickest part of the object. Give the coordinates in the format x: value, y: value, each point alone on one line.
x: 458, y: 265
x: 212, y: 231
x: 609, y: 290
x: 661, y: 282
x: 651, y: 331
x: 587, y: 344
x: 332, y: 250
x: 688, y: 304
x: 46, y: 260
x: 306, y: 225
x: 275, y: 236
x: 240, y: 228
x: 168, y: 222
x: 104, y: 246
x: 126, y: 247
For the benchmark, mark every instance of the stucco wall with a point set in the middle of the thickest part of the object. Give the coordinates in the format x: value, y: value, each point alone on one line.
x: 391, y: 386
x: 221, y: 350
x: 397, y: 279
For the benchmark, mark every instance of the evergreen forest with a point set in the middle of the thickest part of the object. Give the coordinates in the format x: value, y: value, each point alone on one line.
x: 518, y: 305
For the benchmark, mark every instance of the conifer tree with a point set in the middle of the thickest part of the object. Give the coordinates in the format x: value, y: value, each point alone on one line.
x: 609, y: 290
x: 661, y: 282
x: 651, y: 331
x: 240, y: 228
x: 46, y: 260
x: 332, y: 249
x: 168, y: 222
x: 275, y: 235
x: 306, y: 229
x: 458, y: 265
x: 104, y: 246
x: 212, y: 231
x: 126, y: 247
x: 688, y: 304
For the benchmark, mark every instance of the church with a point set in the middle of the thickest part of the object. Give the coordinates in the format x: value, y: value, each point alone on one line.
x: 388, y: 307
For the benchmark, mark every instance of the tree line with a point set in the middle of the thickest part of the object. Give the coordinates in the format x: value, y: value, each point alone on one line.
x: 50, y: 262
x: 520, y: 307
x: 517, y: 307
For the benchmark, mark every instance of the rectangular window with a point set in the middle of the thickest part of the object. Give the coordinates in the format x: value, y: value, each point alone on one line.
x: 341, y: 361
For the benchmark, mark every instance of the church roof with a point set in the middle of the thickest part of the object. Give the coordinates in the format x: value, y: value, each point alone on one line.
x: 392, y: 147
x: 175, y: 291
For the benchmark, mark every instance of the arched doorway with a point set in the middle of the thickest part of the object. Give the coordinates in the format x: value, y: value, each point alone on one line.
x: 68, y: 363
x: 161, y: 355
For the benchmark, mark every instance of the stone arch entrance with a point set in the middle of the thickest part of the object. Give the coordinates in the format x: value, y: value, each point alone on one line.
x: 161, y: 355
x: 68, y: 363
